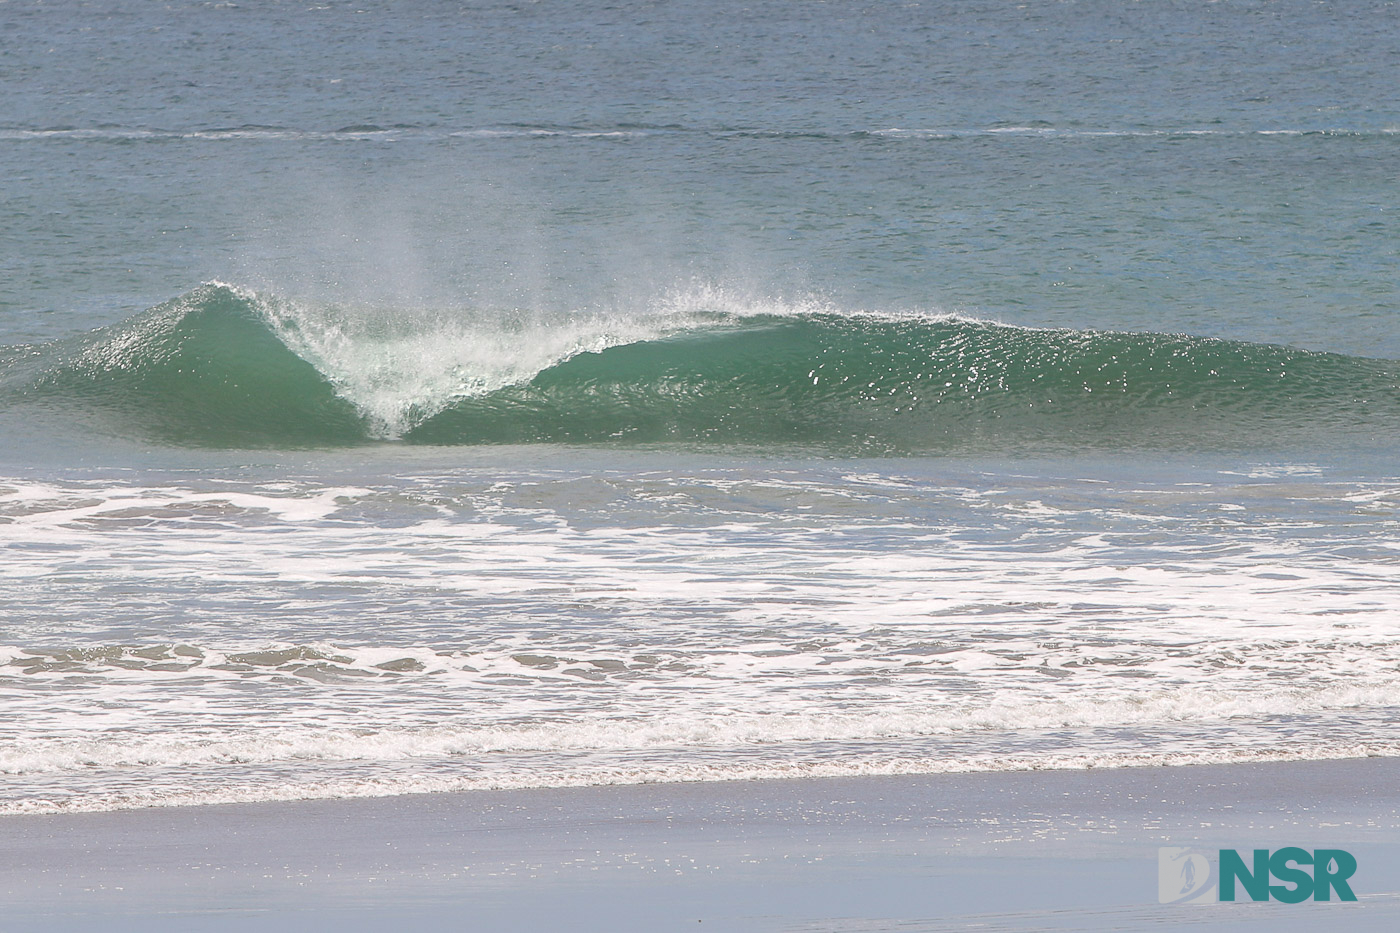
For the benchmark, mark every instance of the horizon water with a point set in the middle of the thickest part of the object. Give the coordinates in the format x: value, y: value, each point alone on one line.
x: 518, y: 395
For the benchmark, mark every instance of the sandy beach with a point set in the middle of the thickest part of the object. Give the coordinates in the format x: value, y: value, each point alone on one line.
x: 1063, y: 850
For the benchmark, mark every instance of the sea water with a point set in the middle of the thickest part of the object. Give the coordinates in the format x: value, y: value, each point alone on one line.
x: 444, y: 395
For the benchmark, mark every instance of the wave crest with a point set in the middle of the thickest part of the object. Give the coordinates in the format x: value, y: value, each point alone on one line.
x: 222, y: 366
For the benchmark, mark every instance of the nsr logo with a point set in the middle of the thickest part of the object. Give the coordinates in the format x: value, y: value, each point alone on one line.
x: 1192, y: 875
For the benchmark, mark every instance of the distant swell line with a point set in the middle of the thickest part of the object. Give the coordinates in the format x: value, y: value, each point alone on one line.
x: 127, y: 134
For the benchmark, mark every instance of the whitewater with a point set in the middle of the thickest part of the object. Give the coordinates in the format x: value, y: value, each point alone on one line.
x: 585, y: 623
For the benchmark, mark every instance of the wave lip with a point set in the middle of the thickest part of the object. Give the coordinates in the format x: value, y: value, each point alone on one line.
x: 224, y: 367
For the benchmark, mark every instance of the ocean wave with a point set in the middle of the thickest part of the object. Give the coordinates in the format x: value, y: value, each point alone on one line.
x: 204, y: 369
x: 224, y: 367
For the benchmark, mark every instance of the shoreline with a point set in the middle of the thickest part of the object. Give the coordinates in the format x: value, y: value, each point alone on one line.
x: 424, y: 783
x: 992, y: 850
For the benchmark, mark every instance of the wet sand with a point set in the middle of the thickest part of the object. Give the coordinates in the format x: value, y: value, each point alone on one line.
x: 1050, y: 850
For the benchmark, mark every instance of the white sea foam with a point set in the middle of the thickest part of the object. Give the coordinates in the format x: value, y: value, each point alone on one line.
x: 485, y: 628
x: 680, y: 728
x: 398, y: 366
x: 390, y: 783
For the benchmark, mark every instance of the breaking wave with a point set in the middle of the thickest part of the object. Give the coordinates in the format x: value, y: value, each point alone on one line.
x: 224, y: 367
